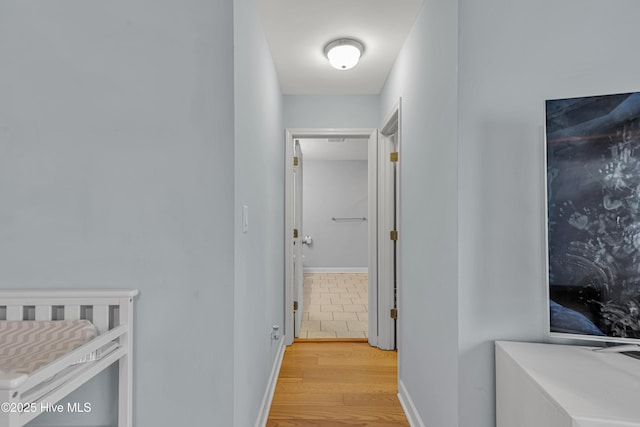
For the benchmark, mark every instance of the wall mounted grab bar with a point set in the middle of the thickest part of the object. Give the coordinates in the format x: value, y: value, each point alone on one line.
x: 362, y: 218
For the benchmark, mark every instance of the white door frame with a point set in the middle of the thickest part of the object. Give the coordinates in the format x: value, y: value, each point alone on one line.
x: 298, y: 269
x: 388, y: 219
x: 290, y: 136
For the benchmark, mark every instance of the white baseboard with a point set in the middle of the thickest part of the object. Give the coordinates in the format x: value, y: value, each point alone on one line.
x: 336, y: 270
x: 409, y: 408
x: 265, y: 407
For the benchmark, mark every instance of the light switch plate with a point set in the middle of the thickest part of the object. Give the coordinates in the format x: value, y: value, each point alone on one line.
x: 245, y: 219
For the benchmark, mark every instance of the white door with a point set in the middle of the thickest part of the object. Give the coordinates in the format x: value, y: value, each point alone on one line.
x: 298, y: 268
x: 388, y: 231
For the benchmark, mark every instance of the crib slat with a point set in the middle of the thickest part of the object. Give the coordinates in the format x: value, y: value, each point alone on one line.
x: 101, y: 317
x: 71, y: 312
x: 14, y: 312
x: 43, y: 312
x: 125, y: 369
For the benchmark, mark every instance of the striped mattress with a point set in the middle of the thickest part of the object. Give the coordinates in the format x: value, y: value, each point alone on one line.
x: 26, y: 346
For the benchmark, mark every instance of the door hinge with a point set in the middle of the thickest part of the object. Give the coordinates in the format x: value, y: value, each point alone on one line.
x: 393, y: 156
x: 394, y: 313
x: 393, y: 235
x: 295, y: 233
x: 295, y: 306
x: 296, y: 160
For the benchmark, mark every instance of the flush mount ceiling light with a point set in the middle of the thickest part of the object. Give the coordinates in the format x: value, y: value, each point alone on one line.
x: 344, y: 53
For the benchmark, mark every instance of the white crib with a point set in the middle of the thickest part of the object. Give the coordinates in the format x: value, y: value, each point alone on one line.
x: 111, y: 310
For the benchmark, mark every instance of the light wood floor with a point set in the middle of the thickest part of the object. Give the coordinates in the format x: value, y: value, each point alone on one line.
x: 336, y: 384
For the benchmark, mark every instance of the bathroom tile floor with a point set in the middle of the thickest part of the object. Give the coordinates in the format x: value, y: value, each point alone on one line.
x: 335, y: 305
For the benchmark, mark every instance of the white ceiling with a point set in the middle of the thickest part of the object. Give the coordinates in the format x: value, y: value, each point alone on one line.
x: 298, y: 30
x: 327, y: 149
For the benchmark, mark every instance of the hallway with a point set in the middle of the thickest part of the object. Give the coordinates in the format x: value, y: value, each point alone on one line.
x: 333, y: 384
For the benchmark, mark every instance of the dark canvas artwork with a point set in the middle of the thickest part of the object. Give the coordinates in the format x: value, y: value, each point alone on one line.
x: 593, y: 195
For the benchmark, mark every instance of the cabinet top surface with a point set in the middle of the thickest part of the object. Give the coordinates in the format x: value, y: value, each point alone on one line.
x: 589, y: 385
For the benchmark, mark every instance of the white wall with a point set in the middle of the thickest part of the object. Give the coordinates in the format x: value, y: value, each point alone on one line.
x: 425, y: 76
x: 513, y: 56
x: 331, y: 111
x: 335, y: 188
x: 115, y: 139
x: 259, y: 184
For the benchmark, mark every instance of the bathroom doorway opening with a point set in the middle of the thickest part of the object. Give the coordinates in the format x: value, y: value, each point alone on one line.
x: 382, y: 219
x: 335, y: 239
x: 380, y: 326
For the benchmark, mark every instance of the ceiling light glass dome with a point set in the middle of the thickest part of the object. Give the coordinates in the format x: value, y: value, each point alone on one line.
x: 344, y: 54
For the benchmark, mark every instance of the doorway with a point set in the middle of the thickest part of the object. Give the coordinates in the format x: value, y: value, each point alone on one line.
x: 381, y: 294
x: 294, y: 291
x: 335, y: 238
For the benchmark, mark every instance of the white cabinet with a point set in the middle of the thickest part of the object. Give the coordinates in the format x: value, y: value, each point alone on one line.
x: 546, y: 385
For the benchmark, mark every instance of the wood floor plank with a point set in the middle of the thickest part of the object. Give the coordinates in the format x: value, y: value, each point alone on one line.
x: 320, y: 399
x: 300, y: 387
x: 338, y: 413
x: 366, y: 359
x: 330, y: 423
x: 336, y: 384
x: 370, y: 399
